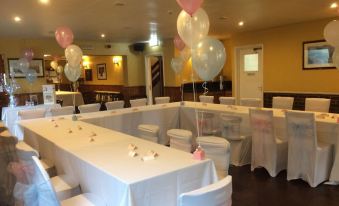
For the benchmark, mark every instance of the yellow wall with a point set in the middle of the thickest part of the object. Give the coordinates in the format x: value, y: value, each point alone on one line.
x: 283, y: 58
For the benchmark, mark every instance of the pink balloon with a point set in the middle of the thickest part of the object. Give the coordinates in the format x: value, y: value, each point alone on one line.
x: 179, y: 43
x: 28, y: 54
x: 64, y: 36
x: 190, y: 6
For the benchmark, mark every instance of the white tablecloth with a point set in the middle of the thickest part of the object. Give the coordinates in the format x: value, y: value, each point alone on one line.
x: 10, y: 117
x: 67, y: 98
x: 104, y: 168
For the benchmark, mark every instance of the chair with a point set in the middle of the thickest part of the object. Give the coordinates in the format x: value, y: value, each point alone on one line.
x: 227, y: 100
x: 149, y: 132
x: 240, y: 144
x: 31, y: 114
x: 317, y: 104
x: 62, y: 111
x: 283, y: 103
x: 206, y: 123
x: 206, y: 99
x: 217, y: 194
x: 138, y: 102
x: 43, y: 192
x: 308, y: 158
x: 250, y: 102
x: 114, y: 105
x: 87, y: 108
x: 162, y: 100
x: 180, y: 139
x: 218, y: 150
x: 268, y: 151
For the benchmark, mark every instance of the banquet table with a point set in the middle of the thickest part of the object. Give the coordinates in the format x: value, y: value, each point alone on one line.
x: 102, y: 165
x: 67, y: 98
x: 10, y: 117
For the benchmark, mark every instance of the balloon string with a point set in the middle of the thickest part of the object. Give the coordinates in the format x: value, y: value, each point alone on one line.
x: 204, y: 86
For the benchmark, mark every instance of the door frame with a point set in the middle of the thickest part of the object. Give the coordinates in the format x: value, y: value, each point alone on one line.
x: 236, y: 69
x: 148, y: 75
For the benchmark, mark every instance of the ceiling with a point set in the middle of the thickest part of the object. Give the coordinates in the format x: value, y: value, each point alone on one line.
x: 132, y: 22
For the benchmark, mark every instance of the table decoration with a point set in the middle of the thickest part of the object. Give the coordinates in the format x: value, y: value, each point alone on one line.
x: 150, y: 155
x: 10, y: 86
x: 199, y: 154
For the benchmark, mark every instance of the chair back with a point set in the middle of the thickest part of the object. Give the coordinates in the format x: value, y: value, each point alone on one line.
x: 250, y: 102
x: 149, y: 132
x: 206, y: 99
x: 206, y: 123
x: 217, y: 194
x: 138, y: 102
x: 31, y: 114
x: 317, y: 104
x: 87, y: 108
x: 162, y: 100
x: 62, y: 111
x: 227, y: 100
x: 230, y: 126
x: 283, y: 103
x: 263, y: 139
x: 114, y: 105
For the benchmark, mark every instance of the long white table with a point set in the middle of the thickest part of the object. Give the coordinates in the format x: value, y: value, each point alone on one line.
x: 104, y: 168
x: 67, y: 98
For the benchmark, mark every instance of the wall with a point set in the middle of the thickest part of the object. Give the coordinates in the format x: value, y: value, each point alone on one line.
x: 283, y: 58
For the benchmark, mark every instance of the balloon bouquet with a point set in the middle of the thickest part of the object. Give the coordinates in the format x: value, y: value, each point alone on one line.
x: 58, y: 69
x: 331, y: 32
x: 73, y: 54
x: 208, y: 54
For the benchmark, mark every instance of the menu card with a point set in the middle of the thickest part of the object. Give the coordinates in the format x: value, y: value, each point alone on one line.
x: 49, y: 94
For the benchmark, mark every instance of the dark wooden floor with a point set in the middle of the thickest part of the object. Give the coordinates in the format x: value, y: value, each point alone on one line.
x: 259, y: 189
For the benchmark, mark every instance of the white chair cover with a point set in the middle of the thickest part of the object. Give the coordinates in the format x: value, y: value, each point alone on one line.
x: 68, y: 110
x: 250, y: 102
x: 31, y: 114
x: 217, y: 194
x: 317, y: 104
x: 138, y: 102
x: 283, y: 103
x: 87, y: 108
x: 114, y: 105
x: 218, y: 150
x: 180, y: 139
x: 206, y: 123
x: 206, y: 99
x: 227, y: 100
x: 334, y: 177
x: 162, y: 100
x: 25, y: 152
x: 267, y: 150
x: 149, y: 132
x: 240, y: 145
x: 308, y: 159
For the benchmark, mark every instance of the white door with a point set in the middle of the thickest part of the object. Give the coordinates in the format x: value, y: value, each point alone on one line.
x: 250, y: 73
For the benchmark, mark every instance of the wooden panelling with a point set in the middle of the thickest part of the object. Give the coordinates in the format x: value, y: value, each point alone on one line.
x: 173, y: 92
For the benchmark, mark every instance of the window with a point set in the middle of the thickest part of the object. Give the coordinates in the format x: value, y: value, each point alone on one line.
x: 251, y: 62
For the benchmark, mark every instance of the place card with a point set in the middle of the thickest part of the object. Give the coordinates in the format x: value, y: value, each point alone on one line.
x: 79, y: 127
x: 132, y: 153
x: 132, y: 147
x: 93, y: 134
x: 91, y: 139
x: 69, y: 131
x: 55, y: 124
x: 150, y: 155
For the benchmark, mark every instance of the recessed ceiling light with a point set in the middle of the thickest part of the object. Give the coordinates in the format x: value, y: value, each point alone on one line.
x: 334, y: 5
x: 119, y: 3
x: 17, y: 19
x: 103, y: 35
x: 241, y: 23
x: 223, y: 18
x: 44, y: 1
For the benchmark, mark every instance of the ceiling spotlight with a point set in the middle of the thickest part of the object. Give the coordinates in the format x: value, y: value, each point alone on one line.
x: 17, y: 19
x: 223, y: 18
x: 103, y: 35
x: 334, y: 5
x: 118, y: 3
x: 241, y: 23
x: 44, y: 1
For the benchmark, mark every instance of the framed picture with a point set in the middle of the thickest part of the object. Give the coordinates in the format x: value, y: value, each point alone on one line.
x: 88, y: 75
x: 36, y: 64
x: 101, y: 71
x: 317, y: 55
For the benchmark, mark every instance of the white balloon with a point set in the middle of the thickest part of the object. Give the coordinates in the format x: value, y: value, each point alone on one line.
x: 194, y: 28
x: 73, y: 54
x: 72, y: 73
x: 335, y: 58
x: 331, y: 33
x: 185, y: 54
x: 59, y: 69
x: 23, y: 65
x: 177, y: 64
x: 54, y: 64
x: 208, y: 58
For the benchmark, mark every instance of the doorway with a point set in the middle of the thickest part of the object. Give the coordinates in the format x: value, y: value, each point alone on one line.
x: 249, y: 72
x: 154, y: 77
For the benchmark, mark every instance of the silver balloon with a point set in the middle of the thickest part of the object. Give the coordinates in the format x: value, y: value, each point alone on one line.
x: 185, y: 54
x: 73, y: 54
x: 194, y: 28
x: 335, y: 58
x: 208, y: 58
x: 59, y: 69
x: 31, y: 76
x: 72, y: 73
x: 177, y: 64
x: 23, y: 65
x: 331, y: 32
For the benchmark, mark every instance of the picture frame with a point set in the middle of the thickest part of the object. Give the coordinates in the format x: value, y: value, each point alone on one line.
x: 101, y: 72
x: 317, y: 55
x: 36, y: 64
x: 88, y: 75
